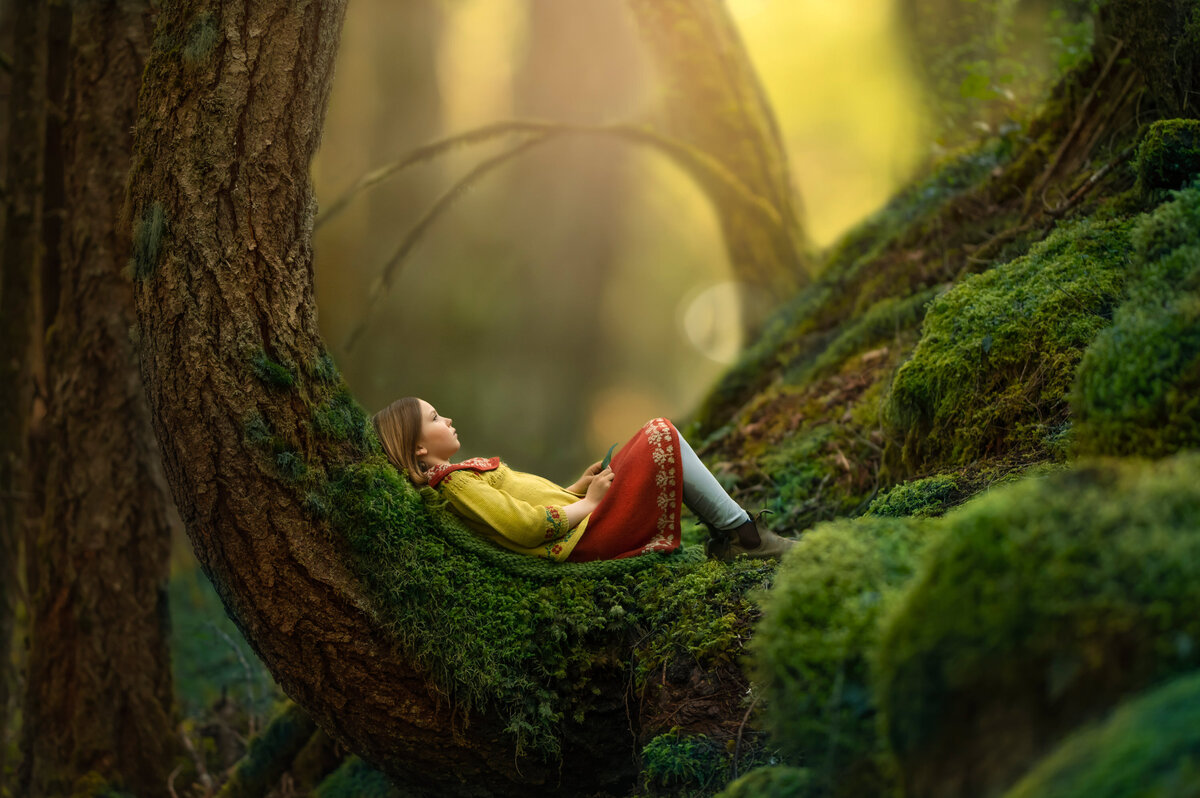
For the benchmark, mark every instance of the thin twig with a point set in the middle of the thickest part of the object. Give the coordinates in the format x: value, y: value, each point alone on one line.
x: 392, y: 267
x: 1079, y: 118
x: 702, y: 165
x: 737, y: 747
x: 241, y: 658
x: 201, y: 771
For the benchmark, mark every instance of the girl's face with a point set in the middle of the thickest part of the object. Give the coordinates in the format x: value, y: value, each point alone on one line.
x: 438, y: 440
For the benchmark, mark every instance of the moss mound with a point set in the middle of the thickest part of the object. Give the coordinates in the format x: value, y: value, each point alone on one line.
x: 819, y: 632
x: 530, y: 639
x: 773, y: 781
x: 1137, y: 390
x: 1168, y: 156
x: 920, y: 498
x: 1150, y: 747
x: 998, y: 351
x: 1039, y: 606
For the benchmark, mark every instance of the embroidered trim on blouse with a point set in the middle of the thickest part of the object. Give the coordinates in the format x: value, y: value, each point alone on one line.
x: 440, y: 472
x: 658, y: 434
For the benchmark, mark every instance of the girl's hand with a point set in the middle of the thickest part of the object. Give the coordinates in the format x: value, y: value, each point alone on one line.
x: 589, y: 473
x: 599, y: 485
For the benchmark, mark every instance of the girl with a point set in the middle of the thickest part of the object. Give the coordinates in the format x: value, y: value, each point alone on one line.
x: 626, y: 509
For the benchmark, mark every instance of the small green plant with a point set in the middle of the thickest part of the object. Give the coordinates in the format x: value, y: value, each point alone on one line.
x: 684, y: 764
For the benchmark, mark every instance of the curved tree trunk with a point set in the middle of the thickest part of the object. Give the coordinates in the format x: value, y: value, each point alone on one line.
x: 230, y: 114
x: 715, y: 102
x: 19, y: 259
x: 99, y: 692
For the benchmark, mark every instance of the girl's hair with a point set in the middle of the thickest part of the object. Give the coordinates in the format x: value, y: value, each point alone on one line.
x: 398, y: 427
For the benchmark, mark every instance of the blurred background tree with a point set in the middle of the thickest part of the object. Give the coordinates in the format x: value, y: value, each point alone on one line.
x: 609, y: 246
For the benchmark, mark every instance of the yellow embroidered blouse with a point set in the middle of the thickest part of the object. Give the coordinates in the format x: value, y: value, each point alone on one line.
x: 519, y: 511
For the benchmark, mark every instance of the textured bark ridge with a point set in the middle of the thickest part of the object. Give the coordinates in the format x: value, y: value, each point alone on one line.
x: 221, y: 204
x: 18, y: 272
x: 99, y: 694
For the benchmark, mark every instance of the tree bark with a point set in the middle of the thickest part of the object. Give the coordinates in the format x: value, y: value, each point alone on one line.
x: 714, y: 101
x: 18, y: 300
x: 230, y: 114
x: 99, y: 691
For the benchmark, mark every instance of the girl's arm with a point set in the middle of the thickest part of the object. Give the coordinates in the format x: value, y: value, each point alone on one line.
x: 525, y: 524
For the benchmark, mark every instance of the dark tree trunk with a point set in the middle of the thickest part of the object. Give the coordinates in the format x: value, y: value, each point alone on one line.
x: 714, y: 101
x: 18, y: 298
x: 99, y: 692
x: 230, y: 114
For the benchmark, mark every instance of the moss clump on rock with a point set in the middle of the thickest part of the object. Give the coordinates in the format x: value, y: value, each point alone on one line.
x: 1137, y: 390
x: 1039, y: 606
x: 882, y: 321
x: 818, y: 635
x: 997, y: 353
x: 1150, y: 746
x: 1168, y: 156
x: 919, y: 498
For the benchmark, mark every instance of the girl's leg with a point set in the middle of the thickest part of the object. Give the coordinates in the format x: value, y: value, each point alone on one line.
x: 705, y: 497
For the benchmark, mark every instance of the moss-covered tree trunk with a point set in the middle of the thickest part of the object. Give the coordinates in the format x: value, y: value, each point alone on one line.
x: 714, y: 101
x: 230, y: 113
x: 18, y: 287
x: 99, y: 695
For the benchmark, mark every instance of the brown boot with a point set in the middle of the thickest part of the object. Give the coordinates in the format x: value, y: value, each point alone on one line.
x: 729, y: 544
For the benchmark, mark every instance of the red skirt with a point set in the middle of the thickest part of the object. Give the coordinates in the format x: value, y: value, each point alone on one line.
x: 640, y: 512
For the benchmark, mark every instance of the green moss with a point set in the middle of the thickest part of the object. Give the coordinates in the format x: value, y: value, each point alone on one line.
x: 703, y: 616
x: 1149, y: 747
x: 356, y: 779
x: 684, y: 764
x: 919, y: 498
x: 1137, y: 390
x: 201, y: 38
x: 774, y: 781
x: 341, y: 419
x: 323, y: 369
x: 525, y: 637
x: 271, y: 372
x: 148, y: 232
x: 1168, y: 156
x: 257, y: 433
x: 1057, y: 595
x: 291, y: 465
x: 819, y: 632
x: 998, y: 352
x: 885, y: 320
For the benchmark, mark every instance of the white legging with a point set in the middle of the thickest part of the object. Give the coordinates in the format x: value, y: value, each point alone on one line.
x: 704, y: 496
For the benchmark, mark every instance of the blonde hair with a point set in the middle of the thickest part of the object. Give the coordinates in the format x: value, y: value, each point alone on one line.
x: 398, y: 427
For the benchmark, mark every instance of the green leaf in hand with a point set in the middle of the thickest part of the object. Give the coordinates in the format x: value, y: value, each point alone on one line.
x: 607, y: 458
